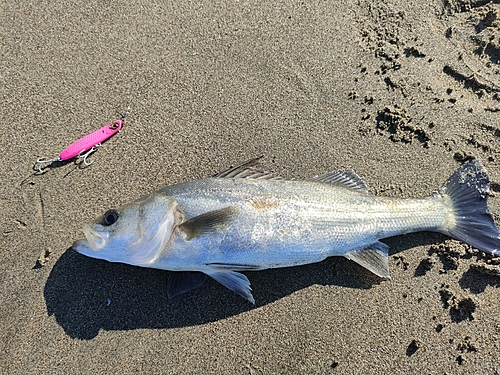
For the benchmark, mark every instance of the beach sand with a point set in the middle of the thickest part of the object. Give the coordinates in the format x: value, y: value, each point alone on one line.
x: 400, y: 92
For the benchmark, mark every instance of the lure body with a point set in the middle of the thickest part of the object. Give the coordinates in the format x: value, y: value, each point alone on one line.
x: 91, y: 140
x: 83, y: 147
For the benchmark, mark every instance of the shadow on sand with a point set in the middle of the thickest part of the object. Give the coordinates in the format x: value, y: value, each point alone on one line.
x: 86, y: 295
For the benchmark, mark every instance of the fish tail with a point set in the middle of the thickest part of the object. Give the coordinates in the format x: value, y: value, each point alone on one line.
x: 466, y: 193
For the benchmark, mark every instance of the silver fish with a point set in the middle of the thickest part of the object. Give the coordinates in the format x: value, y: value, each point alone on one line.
x: 248, y: 220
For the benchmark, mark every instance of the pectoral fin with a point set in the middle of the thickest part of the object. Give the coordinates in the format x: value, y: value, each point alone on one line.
x: 374, y: 258
x: 235, y: 281
x: 208, y: 222
x: 182, y: 282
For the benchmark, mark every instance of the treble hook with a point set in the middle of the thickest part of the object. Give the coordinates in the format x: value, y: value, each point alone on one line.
x: 87, y: 154
x: 41, y: 164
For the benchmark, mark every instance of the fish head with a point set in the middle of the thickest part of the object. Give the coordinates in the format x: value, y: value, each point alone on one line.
x: 136, y: 233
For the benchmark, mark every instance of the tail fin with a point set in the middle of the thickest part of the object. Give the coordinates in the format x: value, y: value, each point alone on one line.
x: 468, y: 189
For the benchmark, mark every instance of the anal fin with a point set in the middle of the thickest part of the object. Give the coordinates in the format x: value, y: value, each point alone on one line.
x: 373, y: 257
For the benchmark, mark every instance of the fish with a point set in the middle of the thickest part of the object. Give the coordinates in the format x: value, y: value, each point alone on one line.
x: 246, y: 219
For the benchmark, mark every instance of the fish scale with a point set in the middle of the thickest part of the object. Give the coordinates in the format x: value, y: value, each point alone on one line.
x: 329, y: 211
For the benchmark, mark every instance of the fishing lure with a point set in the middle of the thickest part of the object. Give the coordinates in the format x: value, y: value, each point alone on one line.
x: 83, y: 147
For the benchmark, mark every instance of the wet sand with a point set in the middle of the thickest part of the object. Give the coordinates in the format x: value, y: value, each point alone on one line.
x: 400, y: 92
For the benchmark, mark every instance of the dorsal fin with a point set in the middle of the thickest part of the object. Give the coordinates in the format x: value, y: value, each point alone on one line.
x: 348, y: 179
x: 246, y: 170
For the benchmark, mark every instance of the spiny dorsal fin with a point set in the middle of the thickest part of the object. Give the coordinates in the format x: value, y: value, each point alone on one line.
x: 246, y: 170
x: 208, y: 222
x: 348, y: 179
x: 374, y: 258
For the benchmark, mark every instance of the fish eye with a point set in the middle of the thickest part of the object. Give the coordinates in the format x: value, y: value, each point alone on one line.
x: 110, y: 217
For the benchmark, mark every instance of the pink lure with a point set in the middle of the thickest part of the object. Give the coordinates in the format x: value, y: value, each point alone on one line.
x: 93, y: 139
x: 84, y: 146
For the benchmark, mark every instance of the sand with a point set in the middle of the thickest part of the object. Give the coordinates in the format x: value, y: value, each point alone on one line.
x: 400, y: 91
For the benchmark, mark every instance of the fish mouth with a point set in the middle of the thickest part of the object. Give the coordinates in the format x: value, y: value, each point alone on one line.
x: 94, y: 240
